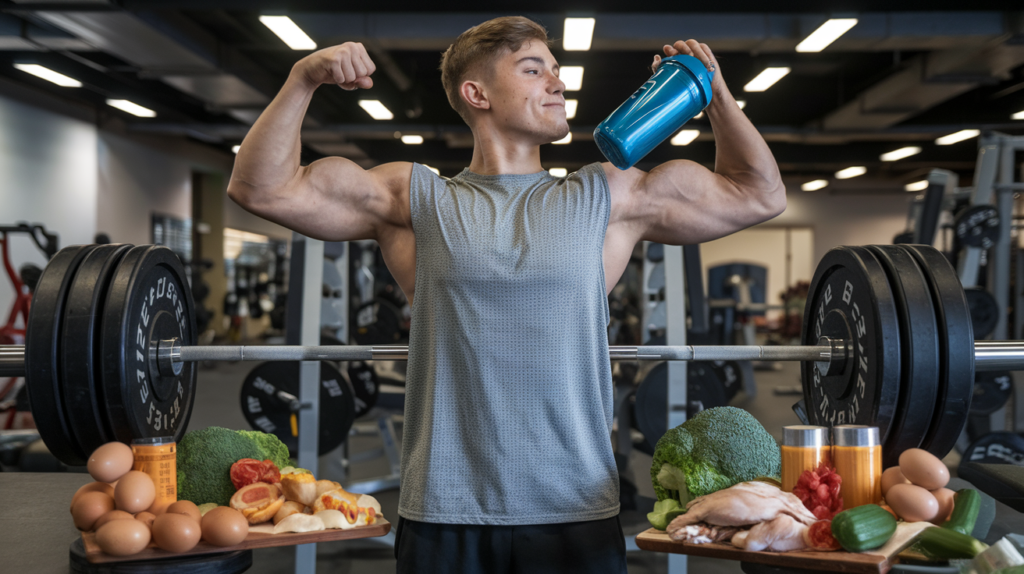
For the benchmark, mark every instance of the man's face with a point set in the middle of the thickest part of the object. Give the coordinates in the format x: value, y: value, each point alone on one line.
x: 527, y: 98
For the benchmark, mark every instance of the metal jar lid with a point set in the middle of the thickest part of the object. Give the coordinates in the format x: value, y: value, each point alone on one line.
x: 805, y: 435
x: 855, y: 435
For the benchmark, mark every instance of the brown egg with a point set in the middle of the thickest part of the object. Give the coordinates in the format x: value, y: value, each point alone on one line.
x: 146, y: 518
x: 186, y: 507
x: 134, y: 492
x: 175, y: 532
x: 111, y: 461
x: 89, y: 507
x: 923, y: 469
x: 93, y: 487
x: 159, y: 506
x: 912, y: 503
x: 123, y: 537
x: 891, y: 476
x: 112, y: 515
x: 944, y: 497
x: 224, y: 526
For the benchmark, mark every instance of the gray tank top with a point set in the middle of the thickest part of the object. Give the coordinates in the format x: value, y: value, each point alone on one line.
x: 509, y: 397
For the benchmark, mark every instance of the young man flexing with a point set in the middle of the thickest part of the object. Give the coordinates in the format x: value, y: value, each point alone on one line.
x: 507, y: 460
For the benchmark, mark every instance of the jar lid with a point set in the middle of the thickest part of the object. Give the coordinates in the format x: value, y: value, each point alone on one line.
x: 854, y: 435
x: 153, y: 441
x: 805, y: 435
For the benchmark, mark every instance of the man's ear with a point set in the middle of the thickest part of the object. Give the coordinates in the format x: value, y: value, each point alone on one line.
x: 474, y: 95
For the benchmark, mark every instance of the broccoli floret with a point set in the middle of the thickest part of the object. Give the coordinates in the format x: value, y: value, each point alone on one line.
x: 204, y: 463
x: 271, y: 446
x: 716, y: 449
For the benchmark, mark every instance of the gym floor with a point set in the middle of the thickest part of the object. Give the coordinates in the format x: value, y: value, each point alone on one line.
x: 217, y: 403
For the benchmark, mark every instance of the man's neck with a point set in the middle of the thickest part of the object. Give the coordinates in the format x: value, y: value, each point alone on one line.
x: 497, y: 154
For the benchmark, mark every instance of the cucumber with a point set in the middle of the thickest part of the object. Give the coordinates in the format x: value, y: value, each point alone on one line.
x: 863, y: 528
x: 949, y: 544
x: 966, y: 505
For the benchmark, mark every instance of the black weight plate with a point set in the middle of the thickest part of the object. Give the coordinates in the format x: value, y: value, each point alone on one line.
x: 378, y: 322
x: 267, y: 411
x: 956, y: 349
x: 80, y: 356
x: 977, y: 226
x: 149, y: 300
x: 850, y: 299
x: 984, y: 311
x: 365, y: 384
x: 730, y: 375
x: 43, y: 343
x: 992, y: 390
x: 996, y: 448
x: 919, y: 352
x: 652, y: 397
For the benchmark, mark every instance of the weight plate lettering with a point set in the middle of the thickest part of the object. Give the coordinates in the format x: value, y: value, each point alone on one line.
x: 956, y: 349
x: 849, y: 298
x: 992, y: 390
x: 361, y: 377
x: 919, y: 352
x: 977, y: 226
x: 269, y: 397
x: 80, y: 356
x: 730, y: 374
x: 984, y: 311
x: 149, y: 301
x: 43, y: 341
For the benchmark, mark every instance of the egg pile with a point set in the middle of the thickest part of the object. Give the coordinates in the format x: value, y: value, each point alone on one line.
x: 120, y: 507
x: 916, y: 489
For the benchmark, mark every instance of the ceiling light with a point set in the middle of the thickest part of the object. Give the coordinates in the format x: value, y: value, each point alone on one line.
x: 957, y: 137
x: 741, y: 103
x: 132, y: 108
x: 698, y: 116
x: 412, y: 140
x: 900, y: 153
x: 376, y: 109
x: 917, y: 185
x: 684, y: 137
x: 570, y: 108
x: 851, y: 172
x: 433, y: 169
x: 49, y: 75
x: 235, y: 148
x: 765, y: 79
x: 572, y: 76
x: 814, y: 185
x: 826, y: 34
x: 1018, y: 116
x: 288, y: 32
x: 578, y: 34
x: 565, y: 140
x: 558, y: 172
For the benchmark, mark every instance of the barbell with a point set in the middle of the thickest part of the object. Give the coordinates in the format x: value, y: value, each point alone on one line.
x: 887, y: 341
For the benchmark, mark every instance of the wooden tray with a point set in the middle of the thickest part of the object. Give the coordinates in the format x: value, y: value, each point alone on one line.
x: 260, y: 536
x: 658, y: 541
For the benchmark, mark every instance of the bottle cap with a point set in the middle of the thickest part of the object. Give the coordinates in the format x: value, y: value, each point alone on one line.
x: 805, y: 435
x: 854, y: 435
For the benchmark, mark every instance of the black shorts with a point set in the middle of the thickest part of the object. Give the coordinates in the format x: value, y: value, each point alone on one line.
x: 595, y: 546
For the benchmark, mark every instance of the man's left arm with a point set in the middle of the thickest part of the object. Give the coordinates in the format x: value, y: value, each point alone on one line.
x: 682, y: 202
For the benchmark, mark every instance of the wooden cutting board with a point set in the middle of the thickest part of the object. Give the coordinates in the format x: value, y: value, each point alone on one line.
x: 260, y: 536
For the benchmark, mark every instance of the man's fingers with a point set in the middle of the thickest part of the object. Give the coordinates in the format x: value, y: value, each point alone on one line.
x: 657, y: 62
x: 670, y: 51
x: 348, y: 70
x: 370, y: 66
x: 365, y: 82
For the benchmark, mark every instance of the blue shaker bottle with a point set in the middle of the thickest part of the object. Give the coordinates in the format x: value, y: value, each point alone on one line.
x: 679, y: 90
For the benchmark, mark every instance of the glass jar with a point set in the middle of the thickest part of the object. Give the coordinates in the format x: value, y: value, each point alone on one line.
x: 857, y: 456
x: 804, y: 447
x: 157, y: 457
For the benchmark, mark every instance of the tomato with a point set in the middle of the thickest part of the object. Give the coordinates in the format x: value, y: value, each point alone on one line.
x: 820, y: 536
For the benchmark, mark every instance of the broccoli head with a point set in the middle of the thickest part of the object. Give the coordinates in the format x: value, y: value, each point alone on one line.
x: 716, y: 449
x: 205, y: 457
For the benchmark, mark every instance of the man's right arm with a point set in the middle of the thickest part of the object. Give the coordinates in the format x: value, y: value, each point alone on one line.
x: 332, y: 199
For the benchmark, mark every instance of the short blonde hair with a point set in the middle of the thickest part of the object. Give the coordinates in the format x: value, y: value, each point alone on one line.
x: 481, y: 44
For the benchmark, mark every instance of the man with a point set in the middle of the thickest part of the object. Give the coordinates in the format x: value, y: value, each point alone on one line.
x: 507, y: 463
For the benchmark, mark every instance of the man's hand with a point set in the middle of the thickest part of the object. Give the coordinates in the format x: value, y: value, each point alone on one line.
x: 347, y: 65
x: 702, y: 53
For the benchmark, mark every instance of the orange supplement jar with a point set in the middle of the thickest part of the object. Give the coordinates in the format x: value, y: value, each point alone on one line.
x: 158, y: 457
x: 857, y: 455
x: 804, y: 447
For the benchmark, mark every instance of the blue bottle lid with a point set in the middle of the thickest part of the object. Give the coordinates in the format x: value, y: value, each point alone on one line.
x: 697, y: 69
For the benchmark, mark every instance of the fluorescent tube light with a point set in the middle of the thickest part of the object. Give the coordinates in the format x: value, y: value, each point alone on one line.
x: 766, y: 79
x: 698, y: 116
x: 572, y: 76
x: 289, y: 32
x: 1018, y: 116
x: 900, y: 153
x: 684, y: 137
x: 741, y: 103
x: 132, y: 108
x: 917, y: 185
x: 814, y: 185
x: 433, y: 169
x: 578, y: 34
x: 565, y: 140
x: 826, y: 34
x: 851, y: 172
x: 235, y: 148
x: 957, y: 137
x: 49, y: 75
x: 376, y: 109
x: 412, y: 140
x: 558, y: 172
x: 570, y: 108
